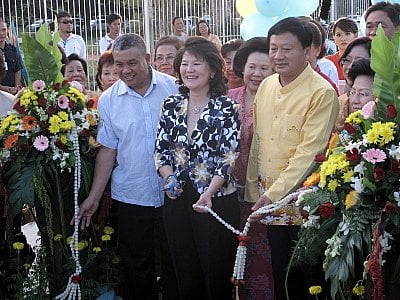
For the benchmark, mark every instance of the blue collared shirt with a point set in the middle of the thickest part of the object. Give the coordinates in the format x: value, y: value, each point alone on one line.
x: 129, y: 125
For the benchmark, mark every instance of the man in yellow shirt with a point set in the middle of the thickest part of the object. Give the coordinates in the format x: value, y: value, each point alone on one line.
x: 294, y: 114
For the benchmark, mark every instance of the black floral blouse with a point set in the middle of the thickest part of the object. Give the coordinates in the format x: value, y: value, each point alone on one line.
x: 212, y: 148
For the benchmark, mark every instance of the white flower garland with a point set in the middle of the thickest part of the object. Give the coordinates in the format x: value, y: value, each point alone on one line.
x: 240, y: 261
x: 73, y: 289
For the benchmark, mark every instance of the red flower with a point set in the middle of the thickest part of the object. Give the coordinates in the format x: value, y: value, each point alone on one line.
x: 71, y: 104
x: 20, y: 109
x: 43, y: 124
x: 57, y: 87
x: 65, y: 83
x: 51, y: 110
x: 90, y: 103
x: 76, y: 279
x: 24, y: 147
x: 353, y: 156
x: 395, y: 166
x: 319, y: 158
x: 379, y: 174
x: 42, y: 102
x: 390, y: 208
x: 391, y: 111
x: 60, y: 144
x: 349, y: 128
x: 326, y: 210
x: 85, y: 133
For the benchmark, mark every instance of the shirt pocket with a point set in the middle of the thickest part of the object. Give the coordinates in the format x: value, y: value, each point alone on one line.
x: 291, y: 128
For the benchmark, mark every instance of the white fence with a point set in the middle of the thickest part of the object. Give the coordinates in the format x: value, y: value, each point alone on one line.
x: 148, y: 18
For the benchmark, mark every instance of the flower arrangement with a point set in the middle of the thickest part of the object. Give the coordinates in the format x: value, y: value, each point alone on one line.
x: 353, y: 199
x: 47, y: 150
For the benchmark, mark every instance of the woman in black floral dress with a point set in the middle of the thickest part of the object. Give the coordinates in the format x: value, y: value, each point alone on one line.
x: 196, y: 148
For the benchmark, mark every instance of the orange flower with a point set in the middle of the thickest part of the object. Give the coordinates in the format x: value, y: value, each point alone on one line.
x: 334, y: 141
x: 28, y: 122
x: 311, y: 180
x: 11, y: 141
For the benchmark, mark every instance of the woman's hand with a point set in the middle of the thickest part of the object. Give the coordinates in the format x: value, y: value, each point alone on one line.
x: 203, y: 202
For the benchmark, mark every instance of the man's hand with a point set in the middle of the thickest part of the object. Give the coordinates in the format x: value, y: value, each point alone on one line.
x: 86, y: 211
x: 262, y: 201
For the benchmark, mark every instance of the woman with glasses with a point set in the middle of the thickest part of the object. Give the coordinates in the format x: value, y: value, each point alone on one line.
x: 164, y: 54
x: 362, y: 78
x: 358, y: 49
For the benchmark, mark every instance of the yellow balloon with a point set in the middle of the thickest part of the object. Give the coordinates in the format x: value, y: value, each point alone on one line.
x: 246, y: 7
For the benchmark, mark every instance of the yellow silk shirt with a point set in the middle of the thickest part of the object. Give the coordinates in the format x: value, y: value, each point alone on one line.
x: 291, y: 125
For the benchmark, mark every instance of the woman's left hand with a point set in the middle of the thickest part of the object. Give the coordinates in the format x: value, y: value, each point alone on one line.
x: 204, y: 201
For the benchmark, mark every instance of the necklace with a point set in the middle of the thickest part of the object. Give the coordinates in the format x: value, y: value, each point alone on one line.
x: 196, y: 109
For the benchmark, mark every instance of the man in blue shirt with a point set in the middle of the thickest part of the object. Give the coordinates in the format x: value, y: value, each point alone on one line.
x: 129, y: 112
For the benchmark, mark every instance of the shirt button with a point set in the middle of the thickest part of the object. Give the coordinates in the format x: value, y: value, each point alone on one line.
x: 272, y: 139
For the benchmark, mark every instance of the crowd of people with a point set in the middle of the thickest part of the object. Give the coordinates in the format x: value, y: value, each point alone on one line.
x: 232, y: 127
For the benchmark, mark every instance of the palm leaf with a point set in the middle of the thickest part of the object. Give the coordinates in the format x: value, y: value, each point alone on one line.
x: 385, y: 56
x: 40, y: 63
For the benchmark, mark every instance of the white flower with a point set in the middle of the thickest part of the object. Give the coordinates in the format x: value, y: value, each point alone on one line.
x: 394, y: 151
x: 357, y: 184
x: 353, y: 145
x: 396, y: 196
x: 312, y: 222
x: 384, y: 241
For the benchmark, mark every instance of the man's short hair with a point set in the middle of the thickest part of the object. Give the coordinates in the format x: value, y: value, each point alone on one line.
x: 112, y: 17
x: 175, y: 18
x: 128, y: 41
x: 392, y: 10
x: 62, y: 14
x: 294, y: 26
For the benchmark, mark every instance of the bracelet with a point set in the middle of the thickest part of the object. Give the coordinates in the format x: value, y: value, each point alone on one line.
x: 169, y: 177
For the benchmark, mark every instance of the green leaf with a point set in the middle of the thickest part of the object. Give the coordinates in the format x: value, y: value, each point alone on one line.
x: 40, y: 63
x: 20, y: 186
x: 385, y: 57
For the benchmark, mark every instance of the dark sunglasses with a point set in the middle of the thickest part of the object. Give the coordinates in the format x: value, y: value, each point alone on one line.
x: 67, y: 22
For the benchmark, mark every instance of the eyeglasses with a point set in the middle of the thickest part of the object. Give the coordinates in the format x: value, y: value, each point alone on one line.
x: 67, y: 22
x: 347, y: 61
x: 361, y: 93
x: 161, y: 58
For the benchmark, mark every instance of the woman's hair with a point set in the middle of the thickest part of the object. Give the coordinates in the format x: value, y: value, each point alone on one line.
x: 256, y: 44
x: 197, y: 27
x: 230, y: 46
x: 73, y: 57
x: 364, y: 42
x: 2, y: 71
x: 170, y: 41
x: 106, y: 59
x: 360, y: 67
x: 345, y: 24
x: 204, y: 50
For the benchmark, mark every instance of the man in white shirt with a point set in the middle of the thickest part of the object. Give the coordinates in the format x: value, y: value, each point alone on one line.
x: 178, y: 27
x: 114, y: 29
x: 70, y: 42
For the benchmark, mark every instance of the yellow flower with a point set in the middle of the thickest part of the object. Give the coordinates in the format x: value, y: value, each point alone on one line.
x: 108, y: 230
x: 91, y: 119
x: 311, y: 180
x: 69, y: 240
x: 63, y: 139
x: 106, y: 237
x: 351, y: 199
x: 315, y: 289
x: 354, y: 118
x: 347, y: 176
x: 96, y: 249
x: 26, y: 266
x: 333, y: 184
x: 55, y: 123
x: 18, y: 246
x: 359, y: 290
x: 82, y: 245
x: 380, y: 133
x: 57, y: 237
x: 63, y: 115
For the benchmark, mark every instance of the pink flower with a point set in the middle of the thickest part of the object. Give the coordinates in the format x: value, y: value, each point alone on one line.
x: 63, y: 102
x: 368, y: 110
x: 77, y: 85
x: 374, y: 156
x: 41, y: 143
x: 38, y: 85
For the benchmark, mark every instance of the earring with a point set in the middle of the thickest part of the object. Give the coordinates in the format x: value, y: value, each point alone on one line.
x: 212, y: 76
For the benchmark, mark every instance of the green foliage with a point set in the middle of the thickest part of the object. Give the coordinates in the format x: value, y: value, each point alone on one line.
x: 42, y: 56
x: 385, y: 60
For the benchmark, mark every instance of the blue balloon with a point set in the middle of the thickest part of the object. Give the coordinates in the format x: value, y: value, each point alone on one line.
x: 306, y: 8
x: 392, y: 1
x: 255, y: 25
x: 272, y: 8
